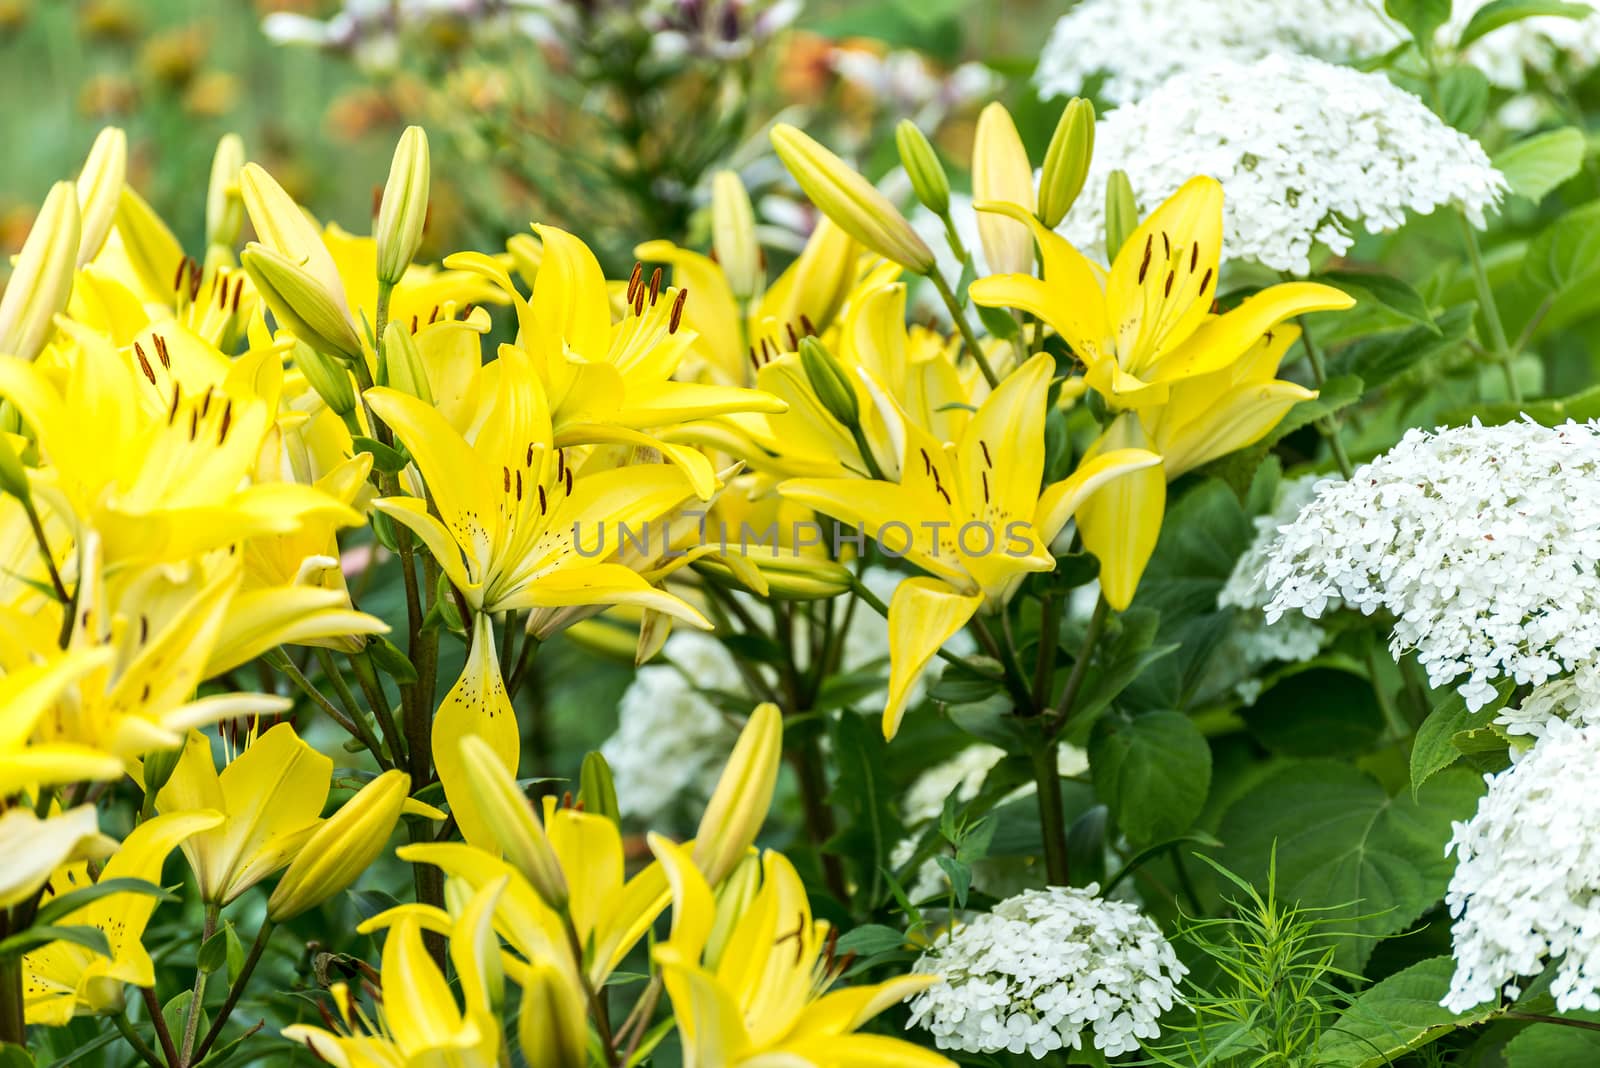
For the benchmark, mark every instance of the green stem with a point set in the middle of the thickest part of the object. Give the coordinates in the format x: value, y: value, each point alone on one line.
x: 191, y: 1017
x: 13, y: 1026
x: 820, y: 825
x: 1080, y: 670
x: 1016, y: 684
x: 44, y: 550
x: 1049, y: 634
x: 163, y: 1034
x: 356, y: 728
x: 341, y: 690
x: 1560, y: 1021
x: 134, y: 1039
x: 1326, y: 426
x: 960, y: 317
x: 1052, y: 821
x: 597, y: 1005
x: 235, y: 991
x: 1491, y: 310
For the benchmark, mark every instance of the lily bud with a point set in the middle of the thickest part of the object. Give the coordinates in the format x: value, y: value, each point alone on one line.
x: 224, y: 202
x: 1066, y: 161
x: 596, y: 790
x: 42, y: 280
x: 829, y: 382
x: 516, y: 829
x: 733, y: 235
x: 1001, y: 171
x: 400, y: 366
x: 553, y: 1027
x: 343, y: 847
x: 159, y: 764
x: 100, y: 189
x: 1122, y: 212
x: 733, y: 901
x: 782, y: 573
x: 13, y: 475
x: 922, y: 165
x: 300, y: 303
x: 739, y: 805
x: 283, y: 227
x: 404, y: 207
x: 851, y: 201
x: 328, y: 377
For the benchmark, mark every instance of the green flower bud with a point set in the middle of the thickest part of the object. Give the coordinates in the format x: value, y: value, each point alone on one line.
x: 301, y: 304
x: 1066, y: 161
x: 328, y: 377
x: 1122, y: 212
x: 404, y: 207
x: 733, y: 236
x: 13, y: 475
x: 596, y: 790
x: 829, y: 382
x: 224, y: 202
x: 400, y: 364
x: 922, y: 165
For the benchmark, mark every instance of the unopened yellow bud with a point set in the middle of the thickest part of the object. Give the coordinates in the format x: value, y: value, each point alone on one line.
x: 13, y: 475
x: 922, y: 165
x: 1001, y: 171
x: 224, y: 202
x: 100, y: 189
x: 733, y: 236
x: 404, y: 208
x: 1066, y: 161
x: 1122, y: 212
x: 851, y: 201
x: 300, y: 303
x: 733, y: 901
x: 42, y: 280
x: 510, y: 817
x: 328, y: 377
x: 829, y: 382
x: 401, y: 364
x: 597, y: 792
x: 284, y: 228
x: 782, y: 573
x: 553, y: 1027
x: 343, y: 847
x: 739, y: 805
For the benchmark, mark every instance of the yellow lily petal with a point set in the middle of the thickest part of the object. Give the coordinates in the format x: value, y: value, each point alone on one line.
x: 693, y: 906
x: 569, y: 298
x: 1121, y: 521
x: 709, y: 1022
x: 1058, y: 503
x: 34, y: 847
x: 476, y: 704
x: 924, y: 613
x: 1224, y: 338
x: 1166, y: 274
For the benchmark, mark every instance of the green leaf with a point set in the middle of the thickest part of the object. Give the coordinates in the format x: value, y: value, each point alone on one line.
x: 14, y: 1056
x: 1563, y: 264
x: 213, y: 953
x: 1126, y: 654
x: 1536, y: 165
x: 1393, y: 293
x: 1320, y: 711
x: 91, y: 938
x: 1499, y: 13
x: 871, y: 939
x: 871, y: 826
x: 385, y: 458
x: 391, y: 661
x: 1152, y: 771
x: 1378, y: 359
x: 1338, y: 392
x: 1463, y: 97
x: 992, y: 720
x: 1422, y: 17
x: 236, y: 954
x: 1435, y: 748
x: 959, y: 873
x: 999, y: 322
x: 1396, y: 1016
x: 1547, y: 1045
x: 59, y: 908
x: 1375, y: 862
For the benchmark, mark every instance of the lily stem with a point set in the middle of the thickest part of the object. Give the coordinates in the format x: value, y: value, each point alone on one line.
x: 235, y: 991
x: 140, y: 1046
x: 1490, y: 310
x: 1080, y: 670
x: 191, y: 1017
x: 597, y: 1005
x: 1326, y: 426
x: 356, y: 728
x: 13, y: 1028
x: 159, y: 1022
x: 44, y: 550
x: 1052, y: 821
x: 947, y: 295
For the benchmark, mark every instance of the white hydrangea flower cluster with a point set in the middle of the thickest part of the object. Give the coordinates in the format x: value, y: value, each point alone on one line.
x: 1544, y: 45
x: 1304, y: 150
x: 1254, y: 642
x: 1045, y: 967
x: 1137, y: 44
x: 1483, y: 542
x: 1527, y: 882
x: 671, y: 740
x: 1574, y: 698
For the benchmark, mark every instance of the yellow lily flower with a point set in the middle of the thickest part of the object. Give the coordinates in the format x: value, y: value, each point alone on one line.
x: 270, y: 796
x: 1147, y: 324
x: 1205, y: 417
x: 610, y: 912
x: 756, y: 999
x: 417, y: 1022
x: 63, y: 979
x: 733, y: 340
x: 27, y: 693
x: 976, y: 525
x: 34, y: 847
x: 165, y: 478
